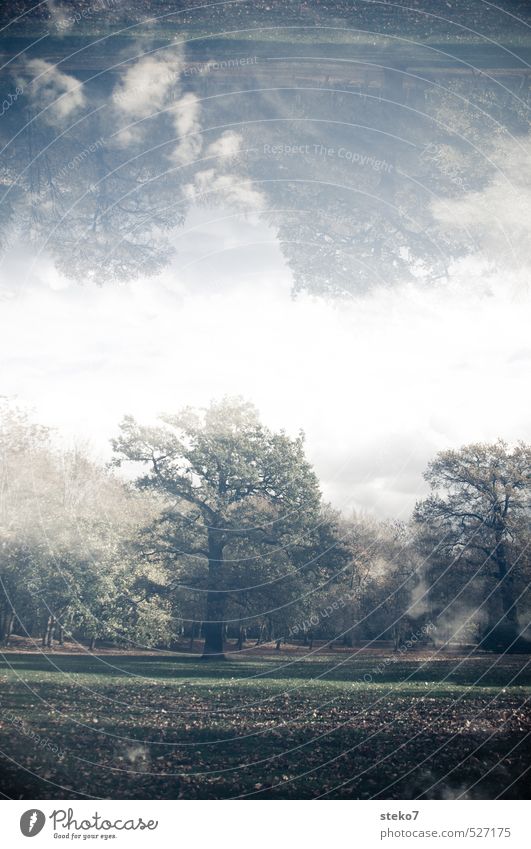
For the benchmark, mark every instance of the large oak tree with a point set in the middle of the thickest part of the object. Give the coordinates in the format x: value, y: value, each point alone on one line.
x: 225, y: 479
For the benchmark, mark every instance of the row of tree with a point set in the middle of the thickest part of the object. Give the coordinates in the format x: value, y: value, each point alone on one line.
x: 217, y: 531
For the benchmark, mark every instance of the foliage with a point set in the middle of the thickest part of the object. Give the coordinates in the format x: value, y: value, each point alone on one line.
x: 473, y: 529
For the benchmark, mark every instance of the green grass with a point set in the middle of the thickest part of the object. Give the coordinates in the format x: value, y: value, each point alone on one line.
x: 265, y: 726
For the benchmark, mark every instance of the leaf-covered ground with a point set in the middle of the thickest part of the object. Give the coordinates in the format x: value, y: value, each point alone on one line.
x: 357, y: 725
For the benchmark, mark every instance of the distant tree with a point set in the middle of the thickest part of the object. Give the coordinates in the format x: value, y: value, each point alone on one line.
x: 67, y: 563
x: 475, y: 517
x: 225, y: 479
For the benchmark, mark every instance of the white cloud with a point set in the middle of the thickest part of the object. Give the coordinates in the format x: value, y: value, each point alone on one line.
x: 187, y: 111
x: 232, y: 189
x: 219, y: 184
x: 146, y: 85
x: 61, y: 93
x: 228, y: 145
x: 187, y: 125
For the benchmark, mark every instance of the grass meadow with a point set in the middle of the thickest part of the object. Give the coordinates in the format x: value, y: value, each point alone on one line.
x: 357, y: 724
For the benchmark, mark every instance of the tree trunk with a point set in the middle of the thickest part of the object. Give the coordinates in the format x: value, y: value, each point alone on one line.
x: 506, y: 586
x: 396, y: 637
x: 242, y: 636
x: 47, y: 632
x: 51, y: 632
x: 92, y: 644
x: 31, y: 626
x: 260, y: 637
x: 502, y: 632
x: 192, y: 636
x: 215, y: 603
x: 8, y: 623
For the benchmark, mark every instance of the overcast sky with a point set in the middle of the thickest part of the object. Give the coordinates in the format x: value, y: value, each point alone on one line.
x: 379, y: 383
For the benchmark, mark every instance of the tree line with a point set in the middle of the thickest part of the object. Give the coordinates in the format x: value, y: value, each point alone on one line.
x: 208, y: 530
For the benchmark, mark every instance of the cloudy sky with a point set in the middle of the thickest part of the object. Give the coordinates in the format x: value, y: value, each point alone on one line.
x: 379, y: 382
